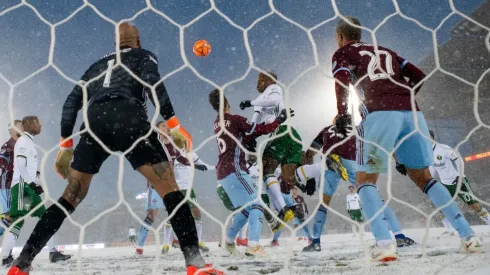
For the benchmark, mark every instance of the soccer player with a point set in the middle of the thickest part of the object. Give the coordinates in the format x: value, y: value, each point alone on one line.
x: 232, y: 173
x: 447, y: 166
x: 25, y: 193
x: 354, y: 206
x: 340, y: 162
x: 118, y: 117
x: 283, y: 150
x: 132, y: 235
x: 388, y: 117
x: 301, y: 207
x: 6, y: 173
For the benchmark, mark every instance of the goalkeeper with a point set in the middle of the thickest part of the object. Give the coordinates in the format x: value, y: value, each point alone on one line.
x: 118, y: 117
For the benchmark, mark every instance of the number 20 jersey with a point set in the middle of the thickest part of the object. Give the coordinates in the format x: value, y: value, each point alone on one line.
x: 376, y: 91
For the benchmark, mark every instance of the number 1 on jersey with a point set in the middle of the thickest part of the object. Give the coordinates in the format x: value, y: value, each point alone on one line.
x: 108, y: 73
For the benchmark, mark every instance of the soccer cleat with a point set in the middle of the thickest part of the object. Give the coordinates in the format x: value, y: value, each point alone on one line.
x: 241, y: 242
x: 472, y: 245
x: 7, y: 261
x: 334, y: 163
x: 203, y: 248
x: 15, y: 270
x: 175, y: 243
x: 402, y: 242
x: 286, y: 215
x: 231, y: 247
x: 139, y: 251
x: 165, y: 249
x: 275, y: 243
x: 313, y: 247
x: 256, y: 251
x: 207, y: 270
x: 58, y: 256
x: 386, y: 254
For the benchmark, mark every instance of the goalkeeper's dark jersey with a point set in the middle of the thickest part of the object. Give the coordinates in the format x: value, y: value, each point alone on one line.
x: 106, y: 81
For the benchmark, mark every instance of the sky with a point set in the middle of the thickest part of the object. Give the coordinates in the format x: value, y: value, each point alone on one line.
x: 275, y: 44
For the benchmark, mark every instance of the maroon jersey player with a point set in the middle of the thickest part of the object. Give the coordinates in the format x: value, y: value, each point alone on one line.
x: 7, y: 166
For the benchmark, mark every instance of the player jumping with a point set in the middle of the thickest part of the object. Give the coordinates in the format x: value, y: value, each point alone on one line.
x: 387, y: 115
x: 447, y: 166
x: 232, y: 173
x: 118, y: 117
x: 283, y: 150
x: 25, y: 193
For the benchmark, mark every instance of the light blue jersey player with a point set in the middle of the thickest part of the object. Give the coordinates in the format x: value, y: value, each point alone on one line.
x: 383, y: 81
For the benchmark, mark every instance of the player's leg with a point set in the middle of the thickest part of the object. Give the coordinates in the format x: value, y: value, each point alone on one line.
x: 300, y: 215
x: 167, y: 237
x: 154, y: 202
x: 466, y: 194
x: 416, y: 154
x: 274, y: 190
x: 17, y: 213
x: 394, y: 224
x: 196, y: 214
x: 5, y: 207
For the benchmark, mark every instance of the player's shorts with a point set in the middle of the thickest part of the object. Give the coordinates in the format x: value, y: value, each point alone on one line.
x: 356, y: 215
x: 192, y: 198
x: 386, y: 129
x: 23, y: 199
x: 240, y: 188
x: 465, y: 193
x: 285, y: 149
x: 118, y: 123
x: 227, y: 202
x: 153, y: 200
x: 289, y: 200
x: 132, y: 238
x: 4, y: 200
x: 332, y: 178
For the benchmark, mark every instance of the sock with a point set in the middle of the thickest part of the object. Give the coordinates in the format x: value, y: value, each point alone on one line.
x: 52, y: 244
x: 276, y: 235
x: 184, y: 228
x: 320, y: 220
x: 439, y: 195
x: 255, y: 221
x: 144, y: 232
x: 9, y: 244
x: 274, y: 192
x: 47, y: 226
x: 392, y: 220
x: 243, y: 232
x: 308, y: 171
x: 372, y: 203
x: 199, y: 229
x: 483, y: 213
x: 447, y: 226
x: 167, y: 234
x: 238, y: 223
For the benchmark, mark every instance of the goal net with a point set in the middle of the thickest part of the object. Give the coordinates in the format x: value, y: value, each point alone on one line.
x: 49, y: 44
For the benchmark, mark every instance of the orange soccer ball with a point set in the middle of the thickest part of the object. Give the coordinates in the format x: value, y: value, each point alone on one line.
x: 202, y: 48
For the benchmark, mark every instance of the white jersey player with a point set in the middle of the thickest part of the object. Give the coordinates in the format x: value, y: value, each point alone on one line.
x: 450, y: 170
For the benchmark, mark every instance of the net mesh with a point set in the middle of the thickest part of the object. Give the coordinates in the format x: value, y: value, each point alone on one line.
x: 251, y: 66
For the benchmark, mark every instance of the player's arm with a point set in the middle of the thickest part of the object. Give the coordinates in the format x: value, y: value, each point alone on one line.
x: 150, y: 75
x: 414, y: 74
x: 273, y: 98
x: 342, y: 76
x: 263, y: 129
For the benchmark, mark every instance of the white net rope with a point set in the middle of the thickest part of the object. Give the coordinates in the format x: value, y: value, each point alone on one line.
x: 251, y: 65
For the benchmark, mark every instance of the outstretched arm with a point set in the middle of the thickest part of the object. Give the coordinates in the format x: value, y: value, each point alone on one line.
x: 414, y: 74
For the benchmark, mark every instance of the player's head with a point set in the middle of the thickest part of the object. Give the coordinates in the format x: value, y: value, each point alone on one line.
x: 163, y: 131
x: 12, y: 130
x: 31, y: 125
x: 347, y: 31
x: 214, y: 101
x: 352, y: 189
x: 129, y: 36
x: 294, y: 192
x: 432, y: 135
x: 265, y: 80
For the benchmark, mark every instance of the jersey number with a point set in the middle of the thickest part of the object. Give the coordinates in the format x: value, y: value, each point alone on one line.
x: 221, y: 145
x: 108, y: 73
x: 373, y: 63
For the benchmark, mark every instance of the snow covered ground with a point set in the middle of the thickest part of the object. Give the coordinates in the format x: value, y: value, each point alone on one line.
x: 342, y: 254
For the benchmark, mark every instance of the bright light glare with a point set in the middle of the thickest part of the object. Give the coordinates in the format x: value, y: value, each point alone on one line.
x: 354, y: 105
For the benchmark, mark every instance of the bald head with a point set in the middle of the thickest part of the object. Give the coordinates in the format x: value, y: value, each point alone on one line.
x: 129, y: 36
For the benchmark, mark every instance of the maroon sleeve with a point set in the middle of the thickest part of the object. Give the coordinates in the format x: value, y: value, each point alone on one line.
x: 182, y: 159
x: 4, y: 158
x: 414, y: 74
x: 342, y: 74
x: 260, y: 129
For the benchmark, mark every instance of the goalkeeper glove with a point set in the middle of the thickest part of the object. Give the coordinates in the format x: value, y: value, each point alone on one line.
x: 64, y: 157
x: 180, y: 136
x: 245, y: 104
x: 401, y: 169
x: 38, y: 189
x: 343, y: 124
x: 283, y: 115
